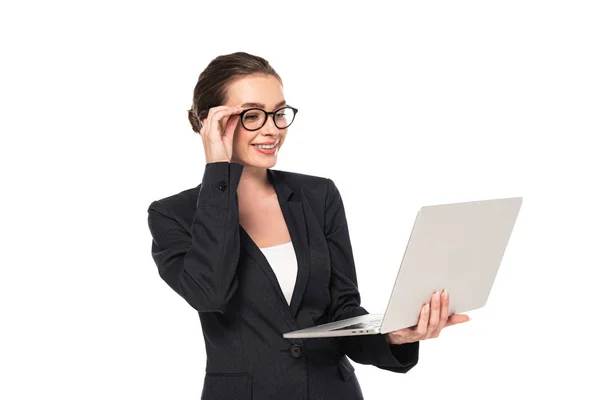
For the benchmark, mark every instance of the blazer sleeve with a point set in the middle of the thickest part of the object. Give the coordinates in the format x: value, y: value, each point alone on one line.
x: 201, y: 265
x: 345, y: 297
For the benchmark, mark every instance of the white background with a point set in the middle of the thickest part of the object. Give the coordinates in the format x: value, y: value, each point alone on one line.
x: 401, y: 104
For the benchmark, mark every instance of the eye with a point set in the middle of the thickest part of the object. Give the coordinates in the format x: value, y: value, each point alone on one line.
x: 252, y: 116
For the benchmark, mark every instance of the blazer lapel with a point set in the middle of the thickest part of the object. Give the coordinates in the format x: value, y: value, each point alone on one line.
x: 291, y: 203
x: 297, y: 226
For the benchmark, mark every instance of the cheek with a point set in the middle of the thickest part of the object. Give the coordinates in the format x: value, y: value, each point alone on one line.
x: 241, y: 137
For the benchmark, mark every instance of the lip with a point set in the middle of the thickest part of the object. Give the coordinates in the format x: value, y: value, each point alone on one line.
x: 267, y: 143
x: 265, y: 151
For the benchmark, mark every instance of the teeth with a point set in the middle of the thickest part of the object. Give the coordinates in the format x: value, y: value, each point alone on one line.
x: 264, y: 146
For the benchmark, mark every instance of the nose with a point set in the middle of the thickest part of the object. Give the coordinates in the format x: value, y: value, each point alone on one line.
x: 270, y: 127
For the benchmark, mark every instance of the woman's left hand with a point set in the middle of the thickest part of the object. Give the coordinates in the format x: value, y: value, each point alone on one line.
x: 431, y: 322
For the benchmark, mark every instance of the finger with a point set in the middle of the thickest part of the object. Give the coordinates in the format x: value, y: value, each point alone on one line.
x: 230, y: 121
x: 457, y: 319
x: 234, y: 117
x: 230, y: 126
x: 214, y: 110
x: 215, y: 114
x: 206, y: 123
x: 219, y: 112
x: 434, y: 316
x: 445, y: 302
x: 423, y: 321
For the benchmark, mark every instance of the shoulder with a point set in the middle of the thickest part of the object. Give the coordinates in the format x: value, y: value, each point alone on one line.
x: 302, y: 182
x: 183, y: 203
x: 320, y: 192
x: 178, y: 206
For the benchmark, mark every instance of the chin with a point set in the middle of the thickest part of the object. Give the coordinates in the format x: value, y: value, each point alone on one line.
x: 254, y: 162
x: 265, y: 163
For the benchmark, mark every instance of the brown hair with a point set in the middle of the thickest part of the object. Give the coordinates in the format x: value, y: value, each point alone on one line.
x: 211, y: 89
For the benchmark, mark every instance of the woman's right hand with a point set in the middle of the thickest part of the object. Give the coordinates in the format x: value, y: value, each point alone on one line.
x: 218, y: 141
x: 432, y: 319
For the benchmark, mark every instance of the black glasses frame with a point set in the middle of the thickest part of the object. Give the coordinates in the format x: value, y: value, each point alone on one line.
x: 267, y: 113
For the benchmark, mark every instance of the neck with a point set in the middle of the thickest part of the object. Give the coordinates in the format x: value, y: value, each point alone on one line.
x: 254, y: 181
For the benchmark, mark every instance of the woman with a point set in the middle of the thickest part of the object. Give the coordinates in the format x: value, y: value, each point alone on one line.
x: 259, y: 252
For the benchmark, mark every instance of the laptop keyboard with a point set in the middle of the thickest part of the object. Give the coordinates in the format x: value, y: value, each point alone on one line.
x: 361, y: 325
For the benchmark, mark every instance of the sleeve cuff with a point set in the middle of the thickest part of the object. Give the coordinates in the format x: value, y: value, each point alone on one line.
x: 397, y: 356
x: 219, y: 181
x: 406, y: 354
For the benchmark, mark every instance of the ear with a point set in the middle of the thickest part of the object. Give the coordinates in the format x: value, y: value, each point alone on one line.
x: 202, y: 117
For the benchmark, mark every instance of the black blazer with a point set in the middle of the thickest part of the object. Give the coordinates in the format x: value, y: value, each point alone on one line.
x: 205, y: 255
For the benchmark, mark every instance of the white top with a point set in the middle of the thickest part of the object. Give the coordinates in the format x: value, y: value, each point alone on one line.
x: 282, y: 259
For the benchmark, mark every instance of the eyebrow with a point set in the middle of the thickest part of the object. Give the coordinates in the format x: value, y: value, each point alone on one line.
x: 260, y: 105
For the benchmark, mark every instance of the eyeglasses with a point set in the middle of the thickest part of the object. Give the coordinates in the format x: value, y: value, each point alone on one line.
x: 255, y: 118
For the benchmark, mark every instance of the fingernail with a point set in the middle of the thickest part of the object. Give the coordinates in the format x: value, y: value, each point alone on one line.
x: 427, y: 307
x: 445, y: 294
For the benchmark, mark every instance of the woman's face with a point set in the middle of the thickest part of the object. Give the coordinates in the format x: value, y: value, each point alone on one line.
x: 261, y: 91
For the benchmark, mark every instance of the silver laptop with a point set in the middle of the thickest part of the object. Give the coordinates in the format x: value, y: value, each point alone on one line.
x: 458, y: 247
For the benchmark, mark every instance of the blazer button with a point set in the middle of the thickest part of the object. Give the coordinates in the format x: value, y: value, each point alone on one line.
x: 222, y: 186
x: 296, y: 350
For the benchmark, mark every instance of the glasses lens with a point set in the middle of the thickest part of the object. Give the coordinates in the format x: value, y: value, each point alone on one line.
x: 253, y: 119
x: 284, y: 117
